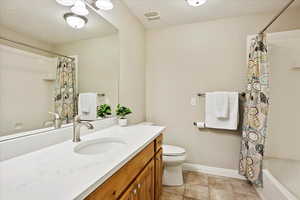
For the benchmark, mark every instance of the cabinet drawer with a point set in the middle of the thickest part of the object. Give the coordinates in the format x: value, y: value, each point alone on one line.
x: 158, y: 143
x: 116, y: 185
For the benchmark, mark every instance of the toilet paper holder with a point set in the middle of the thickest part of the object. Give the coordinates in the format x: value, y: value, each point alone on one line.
x: 195, y: 124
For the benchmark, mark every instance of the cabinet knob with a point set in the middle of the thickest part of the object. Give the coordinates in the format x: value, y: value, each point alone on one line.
x: 134, y: 191
x: 139, y: 186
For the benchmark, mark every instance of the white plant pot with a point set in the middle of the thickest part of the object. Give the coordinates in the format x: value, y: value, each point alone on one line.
x: 123, y: 122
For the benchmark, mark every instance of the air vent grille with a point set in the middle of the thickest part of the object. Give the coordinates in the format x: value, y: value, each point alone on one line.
x: 152, y: 16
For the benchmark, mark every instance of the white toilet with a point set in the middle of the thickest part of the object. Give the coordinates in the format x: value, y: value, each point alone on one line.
x: 173, y: 158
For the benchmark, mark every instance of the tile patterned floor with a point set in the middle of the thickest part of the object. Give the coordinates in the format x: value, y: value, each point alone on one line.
x: 200, y: 186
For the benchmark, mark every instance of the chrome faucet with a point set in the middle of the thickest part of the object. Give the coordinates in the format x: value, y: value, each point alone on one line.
x: 57, y: 120
x: 77, y: 123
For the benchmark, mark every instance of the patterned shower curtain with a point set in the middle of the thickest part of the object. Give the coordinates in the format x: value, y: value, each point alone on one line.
x: 256, y: 112
x: 65, y: 100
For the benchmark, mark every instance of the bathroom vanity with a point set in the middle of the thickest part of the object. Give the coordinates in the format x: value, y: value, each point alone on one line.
x: 139, y: 179
x: 128, y: 166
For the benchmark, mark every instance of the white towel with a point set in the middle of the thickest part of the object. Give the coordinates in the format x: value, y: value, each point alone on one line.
x: 211, y: 119
x: 221, y: 104
x: 87, y: 106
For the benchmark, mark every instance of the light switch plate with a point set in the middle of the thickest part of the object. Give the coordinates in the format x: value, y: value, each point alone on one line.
x: 193, y: 101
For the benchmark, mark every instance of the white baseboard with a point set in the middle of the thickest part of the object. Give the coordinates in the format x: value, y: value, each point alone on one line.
x: 273, y: 189
x: 212, y: 170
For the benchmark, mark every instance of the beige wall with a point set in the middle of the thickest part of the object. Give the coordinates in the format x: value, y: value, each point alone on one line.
x: 98, y: 65
x: 132, y: 59
x: 187, y: 59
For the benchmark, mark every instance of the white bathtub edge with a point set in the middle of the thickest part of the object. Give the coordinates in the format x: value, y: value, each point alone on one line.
x: 273, y: 189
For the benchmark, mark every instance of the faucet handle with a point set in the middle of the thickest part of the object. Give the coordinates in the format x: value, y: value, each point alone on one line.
x: 56, y: 115
x: 77, y: 118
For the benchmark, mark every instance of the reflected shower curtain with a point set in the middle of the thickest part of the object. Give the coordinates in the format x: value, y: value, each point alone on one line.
x: 256, y: 112
x: 65, y: 100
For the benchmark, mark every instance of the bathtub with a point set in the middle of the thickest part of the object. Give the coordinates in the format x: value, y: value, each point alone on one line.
x: 281, y: 180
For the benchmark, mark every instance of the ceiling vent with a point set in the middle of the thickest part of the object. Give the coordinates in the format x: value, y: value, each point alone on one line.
x: 152, y: 16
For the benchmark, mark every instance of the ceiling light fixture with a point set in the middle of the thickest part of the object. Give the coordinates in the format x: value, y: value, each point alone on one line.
x: 196, y: 3
x: 79, y: 8
x: 75, y: 21
x: 104, y: 4
x: 66, y: 2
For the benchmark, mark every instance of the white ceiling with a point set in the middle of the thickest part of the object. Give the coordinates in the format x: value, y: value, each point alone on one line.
x: 174, y: 12
x: 43, y: 20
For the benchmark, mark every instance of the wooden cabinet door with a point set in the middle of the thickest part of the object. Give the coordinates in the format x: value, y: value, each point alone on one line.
x: 145, y: 183
x: 143, y: 186
x: 158, y: 174
x: 130, y: 194
x: 127, y: 196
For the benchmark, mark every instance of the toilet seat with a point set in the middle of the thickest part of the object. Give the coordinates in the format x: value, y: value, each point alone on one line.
x: 174, y: 159
x: 169, y: 150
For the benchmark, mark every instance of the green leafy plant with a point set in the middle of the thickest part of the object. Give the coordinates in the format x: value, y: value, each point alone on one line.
x: 103, y: 110
x: 122, y: 111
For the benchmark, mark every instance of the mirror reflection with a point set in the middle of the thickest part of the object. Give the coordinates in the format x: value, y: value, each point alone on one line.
x: 55, y: 65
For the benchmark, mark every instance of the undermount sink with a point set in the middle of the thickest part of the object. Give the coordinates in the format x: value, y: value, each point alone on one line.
x: 100, y: 146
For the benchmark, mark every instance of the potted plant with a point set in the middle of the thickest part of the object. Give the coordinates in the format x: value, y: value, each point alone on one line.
x: 103, y: 110
x: 121, y: 112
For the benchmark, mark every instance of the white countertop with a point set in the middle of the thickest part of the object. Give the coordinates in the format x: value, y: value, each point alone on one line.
x: 57, y: 172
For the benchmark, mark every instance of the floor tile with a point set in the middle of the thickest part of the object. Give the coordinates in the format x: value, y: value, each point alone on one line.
x: 198, y: 192
x: 245, y: 197
x: 199, y: 186
x: 219, y: 183
x: 187, y: 198
x: 220, y: 194
x: 174, y: 189
x: 196, y: 178
x: 171, y: 196
x: 242, y: 187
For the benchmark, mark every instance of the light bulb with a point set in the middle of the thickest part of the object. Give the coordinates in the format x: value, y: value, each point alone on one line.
x: 79, y: 8
x: 75, y: 21
x: 196, y: 3
x: 66, y: 2
x: 104, y: 4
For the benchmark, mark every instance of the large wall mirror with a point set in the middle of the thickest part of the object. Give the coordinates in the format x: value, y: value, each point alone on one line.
x: 53, y: 65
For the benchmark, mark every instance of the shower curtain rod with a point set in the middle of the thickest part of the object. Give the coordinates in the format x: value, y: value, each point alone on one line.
x: 276, y: 16
x: 37, y: 48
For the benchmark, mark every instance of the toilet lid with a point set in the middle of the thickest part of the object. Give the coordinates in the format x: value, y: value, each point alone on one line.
x: 169, y: 150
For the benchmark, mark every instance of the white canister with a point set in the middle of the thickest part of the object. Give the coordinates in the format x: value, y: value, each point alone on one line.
x: 123, y: 122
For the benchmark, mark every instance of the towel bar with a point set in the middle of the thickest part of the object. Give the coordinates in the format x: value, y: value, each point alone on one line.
x: 242, y: 94
x: 98, y: 94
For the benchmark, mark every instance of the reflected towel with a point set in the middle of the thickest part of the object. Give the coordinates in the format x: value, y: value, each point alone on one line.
x: 87, y: 106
